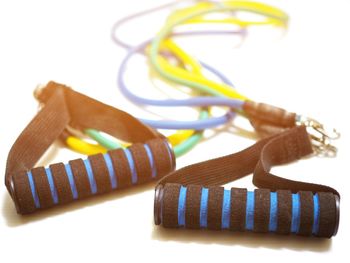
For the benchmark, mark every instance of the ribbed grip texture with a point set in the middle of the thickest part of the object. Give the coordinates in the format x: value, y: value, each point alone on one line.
x: 282, y: 212
x: 42, y: 188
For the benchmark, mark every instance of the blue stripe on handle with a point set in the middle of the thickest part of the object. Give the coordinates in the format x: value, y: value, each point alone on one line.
x: 203, y: 216
x: 111, y: 172
x: 250, y: 207
x: 181, y: 206
x: 295, y: 213
x: 316, y: 223
x: 273, y: 212
x: 71, y: 180
x: 226, y: 209
x: 131, y: 165
x: 249, y: 219
x: 151, y: 160
x: 33, y: 190
x: 91, y: 177
x: 52, y: 185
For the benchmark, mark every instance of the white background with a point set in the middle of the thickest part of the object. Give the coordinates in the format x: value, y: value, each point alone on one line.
x: 306, y: 70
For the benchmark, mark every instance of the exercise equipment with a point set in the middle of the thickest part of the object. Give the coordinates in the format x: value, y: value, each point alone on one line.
x: 192, y: 197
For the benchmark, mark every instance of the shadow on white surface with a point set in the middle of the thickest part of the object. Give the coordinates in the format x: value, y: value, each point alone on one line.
x: 15, y: 220
x: 242, y: 239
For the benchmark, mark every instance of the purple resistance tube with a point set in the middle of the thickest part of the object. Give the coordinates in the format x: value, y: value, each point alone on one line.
x: 193, y: 102
x: 131, y: 17
x: 198, y: 101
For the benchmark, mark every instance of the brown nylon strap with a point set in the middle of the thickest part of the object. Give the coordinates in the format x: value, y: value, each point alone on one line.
x: 280, y: 149
x: 62, y: 106
x: 86, y: 112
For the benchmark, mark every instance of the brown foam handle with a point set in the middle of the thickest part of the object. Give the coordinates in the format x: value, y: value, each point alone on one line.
x: 62, y: 107
x: 262, y: 211
x: 42, y: 188
x: 191, y: 197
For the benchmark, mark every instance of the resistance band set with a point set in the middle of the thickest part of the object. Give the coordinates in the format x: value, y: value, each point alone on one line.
x: 191, y: 197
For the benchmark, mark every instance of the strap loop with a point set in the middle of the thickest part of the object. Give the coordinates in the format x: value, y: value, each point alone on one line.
x: 61, y: 107
x: 192, y: 197
x: 258, y: 159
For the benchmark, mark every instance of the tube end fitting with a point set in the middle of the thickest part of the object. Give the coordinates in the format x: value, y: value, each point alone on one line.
x: 337, y: 214
x: 158, y: 200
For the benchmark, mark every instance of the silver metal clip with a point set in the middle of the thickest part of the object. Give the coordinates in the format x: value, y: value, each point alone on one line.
x: 322, y: 138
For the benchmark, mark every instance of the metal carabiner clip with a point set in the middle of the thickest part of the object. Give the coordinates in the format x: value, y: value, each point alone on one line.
x: 322, y: 138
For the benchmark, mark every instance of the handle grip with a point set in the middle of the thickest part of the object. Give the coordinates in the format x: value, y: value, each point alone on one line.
x: 282, y: 212
x: 42, y: 188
